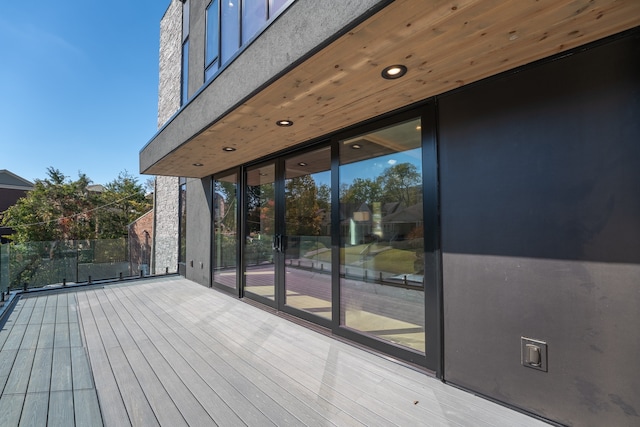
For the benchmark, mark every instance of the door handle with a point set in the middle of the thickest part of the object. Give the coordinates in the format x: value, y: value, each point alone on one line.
x: 279, y: 243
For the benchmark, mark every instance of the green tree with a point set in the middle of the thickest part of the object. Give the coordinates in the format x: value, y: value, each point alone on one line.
x: 324, y: 197
x: 56, y: 209
x: 401, y: 183
x: 362, y: 190
x: 122, y: 202
x: 59, y: 209
x: 302, y: 208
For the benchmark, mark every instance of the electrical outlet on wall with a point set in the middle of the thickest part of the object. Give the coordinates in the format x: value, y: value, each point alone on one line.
x: 533, y: 353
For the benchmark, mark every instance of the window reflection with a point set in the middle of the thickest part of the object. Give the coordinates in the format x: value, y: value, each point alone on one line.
x: 254, y: 16
x: 381, y: 228
x: 308, y: 232
x: 275, y: 6
x: 225, y: 230
x: 184, y: 96
x: 213, y: 39
x: 230, y: 29
x: 260, y: 230
x: 182, y: 219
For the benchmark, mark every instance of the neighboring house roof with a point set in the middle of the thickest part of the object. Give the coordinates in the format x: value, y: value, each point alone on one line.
x: 96, y: 188
x: 150, y: 212
x: 410, y: 214
x: 12, y: 181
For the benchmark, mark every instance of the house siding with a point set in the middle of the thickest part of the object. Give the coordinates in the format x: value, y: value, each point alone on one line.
x: 541, y: 235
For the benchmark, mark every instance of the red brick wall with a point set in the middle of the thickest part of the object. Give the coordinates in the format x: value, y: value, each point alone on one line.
x: 140, y: 243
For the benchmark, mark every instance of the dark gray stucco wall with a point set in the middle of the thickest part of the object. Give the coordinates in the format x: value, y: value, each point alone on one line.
x: 304, y: 26
x: 197, y: 22
x: 199, y: 230
x: 540, y: 205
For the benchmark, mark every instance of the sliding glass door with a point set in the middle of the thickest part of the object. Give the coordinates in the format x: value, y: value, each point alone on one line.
x: 287, y: 247
x: 260, y: 250
x: 345, y: 235
x: 307, y: 231
x: 225, y: 230
x: 381, y: 235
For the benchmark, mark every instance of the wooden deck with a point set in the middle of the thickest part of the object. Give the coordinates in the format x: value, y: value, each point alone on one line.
x: 172, y: 353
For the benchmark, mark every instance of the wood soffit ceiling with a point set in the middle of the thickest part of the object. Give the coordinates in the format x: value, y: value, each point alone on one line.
x: 444, y: 44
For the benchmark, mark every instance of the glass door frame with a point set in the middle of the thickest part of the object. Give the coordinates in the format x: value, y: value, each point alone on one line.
x: 278, y: 220
x: 279, y: 302
x: 212, y: 283
x: 432, y: 359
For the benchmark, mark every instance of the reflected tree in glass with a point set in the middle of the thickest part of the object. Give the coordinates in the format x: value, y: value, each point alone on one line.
x: 225, y: 230
x: 381, y: 229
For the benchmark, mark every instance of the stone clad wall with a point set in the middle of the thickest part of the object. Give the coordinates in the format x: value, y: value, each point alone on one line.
x: 170, y: 62
x: 165, y: 242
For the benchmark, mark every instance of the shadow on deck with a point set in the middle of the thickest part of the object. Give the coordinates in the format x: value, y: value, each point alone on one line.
x: 169, y: 352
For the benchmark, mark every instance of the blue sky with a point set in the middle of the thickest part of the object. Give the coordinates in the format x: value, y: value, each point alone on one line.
x: 78, y: 85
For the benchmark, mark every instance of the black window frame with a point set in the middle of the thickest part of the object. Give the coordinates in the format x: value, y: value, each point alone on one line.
x: 182, y: 225
x: 214, y: 67
x: 184, y: 72
x: 212, y: 64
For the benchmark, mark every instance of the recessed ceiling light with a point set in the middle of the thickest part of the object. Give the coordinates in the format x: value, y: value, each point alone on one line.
x: 418, y: 127
x: 284, y: 123
x: 228, y: 149
x: 197, y: 164
x: 394, y: 72
x: 356, y: 146
x: 302, y: 164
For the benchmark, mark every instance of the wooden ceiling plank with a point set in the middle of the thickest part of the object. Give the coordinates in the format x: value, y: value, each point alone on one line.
x: 341, y: 85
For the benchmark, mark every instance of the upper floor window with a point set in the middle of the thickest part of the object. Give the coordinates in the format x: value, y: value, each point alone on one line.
x: 213, y: 38
x: 184, y: 80
x: 231, y: 24
x: 254, y: 16
x: 185, y: 73
x: 275, y: 5
x: 229, y: 29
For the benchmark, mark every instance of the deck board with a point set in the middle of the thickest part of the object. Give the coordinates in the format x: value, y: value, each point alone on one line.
x: 19, y: 378
x: 87, y: 408
x: 61, y: 374
x: 47, y: 335
x: 138, y: 408
x: 61, y: 411
x: 7, y: 358
x: 16, y: 333
x: 50, y: 309
x: 169, y: 352
x: 11, y: 409
x: 81, y: 370
x: 40, y: 379
x: 261, y: 352
x: 233, y: 365
x: 36, y: 407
